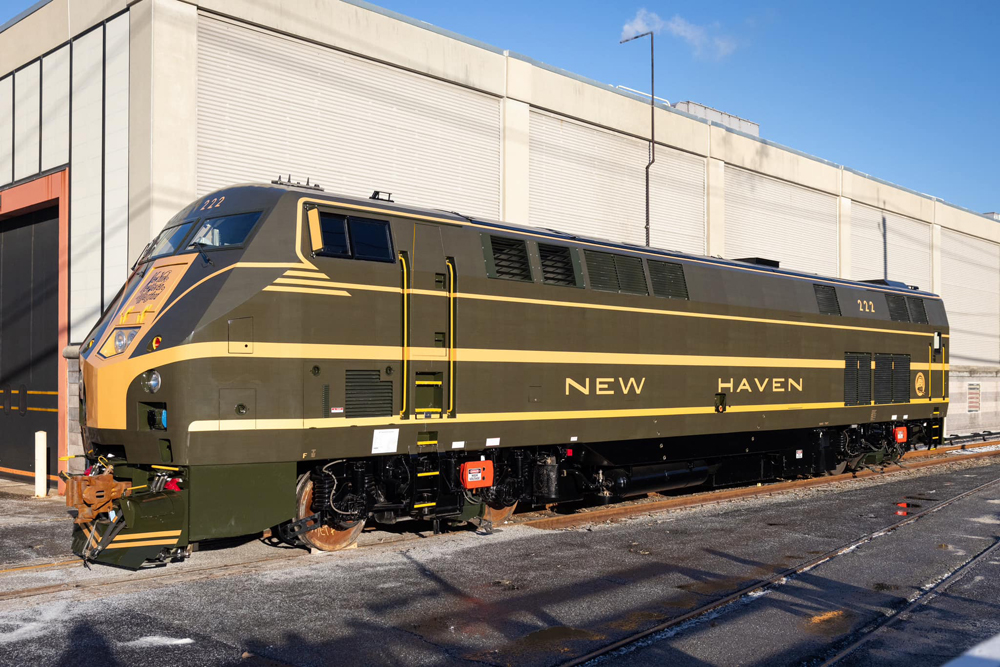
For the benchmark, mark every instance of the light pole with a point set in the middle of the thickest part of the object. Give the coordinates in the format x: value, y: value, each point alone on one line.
x: 652, y: 119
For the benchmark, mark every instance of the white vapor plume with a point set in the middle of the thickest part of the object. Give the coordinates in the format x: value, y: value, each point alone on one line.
x: 705, y: 41
x: 644, y: 21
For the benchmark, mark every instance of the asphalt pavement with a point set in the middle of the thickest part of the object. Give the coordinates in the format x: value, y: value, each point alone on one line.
x: 531, y: 597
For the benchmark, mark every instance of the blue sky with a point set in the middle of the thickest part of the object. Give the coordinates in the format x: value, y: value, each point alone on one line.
x: 906, y: 91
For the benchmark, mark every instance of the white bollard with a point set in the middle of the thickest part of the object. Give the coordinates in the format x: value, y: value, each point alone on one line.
x: 41, y: 451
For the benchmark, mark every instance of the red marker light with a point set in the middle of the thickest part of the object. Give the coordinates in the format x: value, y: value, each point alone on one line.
x: 569, y: 452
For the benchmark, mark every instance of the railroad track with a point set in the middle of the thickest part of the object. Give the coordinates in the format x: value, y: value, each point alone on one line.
x: 912, y: 461
x: 776, y: 580
x: 172, y: 575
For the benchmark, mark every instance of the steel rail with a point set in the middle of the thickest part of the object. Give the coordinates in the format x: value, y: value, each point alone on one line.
x: 869, y: 632
x: 927, y: 458
x: 543, y: 523
x: 770, y: 582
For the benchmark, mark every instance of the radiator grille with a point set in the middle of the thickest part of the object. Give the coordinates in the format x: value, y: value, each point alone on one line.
x: 601, y: 269
x: 631, y: 278
x: 897, y: 308
x: 918, y: 314
x: 616, y: 273
x: 883, y: 378
x: 510, y: 257
x: 668, y: 280
x: 557, y: 264
x: 826, y: 299
x: 366, y: 395
x: 857, y: 378
x: 900, y: 378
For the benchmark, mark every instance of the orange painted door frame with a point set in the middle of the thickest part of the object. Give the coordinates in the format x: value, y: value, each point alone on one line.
x: 36, y: 194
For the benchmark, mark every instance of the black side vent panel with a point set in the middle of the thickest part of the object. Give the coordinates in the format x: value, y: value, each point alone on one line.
x: 601, y: 269
x: 851, y: 379
x: 557, y: 265
x: 918, y: 314
x: 900, y: 378
x: 865, y: 379
x: 510, y: 257
x: 631, y: 277
x: 857, y: 378
x: 883, y: 378
x: 826, y: 299
x: 366, y: 395
x: 897, y: 308
x: 616, y: 273
x: 668, y: 280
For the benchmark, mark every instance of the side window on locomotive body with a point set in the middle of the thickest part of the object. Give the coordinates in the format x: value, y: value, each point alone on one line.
x: 338, y: 235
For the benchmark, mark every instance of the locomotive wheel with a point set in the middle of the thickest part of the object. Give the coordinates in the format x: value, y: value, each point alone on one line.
x: 324, y: 538
x: 497, y: 516
x: 839, y: 469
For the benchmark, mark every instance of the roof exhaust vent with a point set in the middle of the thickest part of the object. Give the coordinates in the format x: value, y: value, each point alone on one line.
x: 760, y: 261
x: 378, y: 195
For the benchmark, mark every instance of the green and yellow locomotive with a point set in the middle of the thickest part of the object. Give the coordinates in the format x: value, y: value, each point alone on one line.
x: 282, y: 359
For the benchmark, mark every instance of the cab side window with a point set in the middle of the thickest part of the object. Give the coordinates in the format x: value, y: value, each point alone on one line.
x: 350, y: 236
x: 333, y: 229
x: 370, y: 239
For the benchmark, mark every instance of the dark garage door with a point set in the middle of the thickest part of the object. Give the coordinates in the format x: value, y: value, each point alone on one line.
x: 29, y: 338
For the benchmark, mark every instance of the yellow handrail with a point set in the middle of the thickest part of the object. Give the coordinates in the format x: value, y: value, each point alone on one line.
x: 406, y: 332
x: 451, y: 336
x: 930, y: 371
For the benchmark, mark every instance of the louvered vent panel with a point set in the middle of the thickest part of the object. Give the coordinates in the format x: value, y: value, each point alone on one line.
x: 851, y: 362
x: 883, y: 378
x: 557, y: 264
x: 668, y: 280
x: 601, y: 269
x: 865, y: 379
x: 897, y: 308
x: 511, y: 258
x: 900, y: 378
x: 826, y: 299
x: 631, y: 278
x: 918, y: 314
x: 366, y: 395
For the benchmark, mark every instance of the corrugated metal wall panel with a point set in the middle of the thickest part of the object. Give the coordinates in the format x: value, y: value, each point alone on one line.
x: 270, y: 105
x: 585, y: 180
x: 115, y: 156
x: 677, y: 201
x: 26, y: 111
x: 777, y: 220
x: 55, y: 108
x: 85, y: 184
x: 590, y: 181
x: 909, y: 250
x: 970, y: 287
x: 909, y: 246
x: 6, y: 130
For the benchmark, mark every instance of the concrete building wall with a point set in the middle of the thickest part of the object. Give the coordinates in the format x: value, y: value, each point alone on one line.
x: 716, y: 190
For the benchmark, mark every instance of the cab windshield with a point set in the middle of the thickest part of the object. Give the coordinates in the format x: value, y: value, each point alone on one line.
x: 167, y: 242
x: 230, y: 230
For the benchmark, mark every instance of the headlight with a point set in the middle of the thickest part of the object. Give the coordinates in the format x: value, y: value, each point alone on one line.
x: 123, y: 338
x: 118, y: 341
x: 151, y: 382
